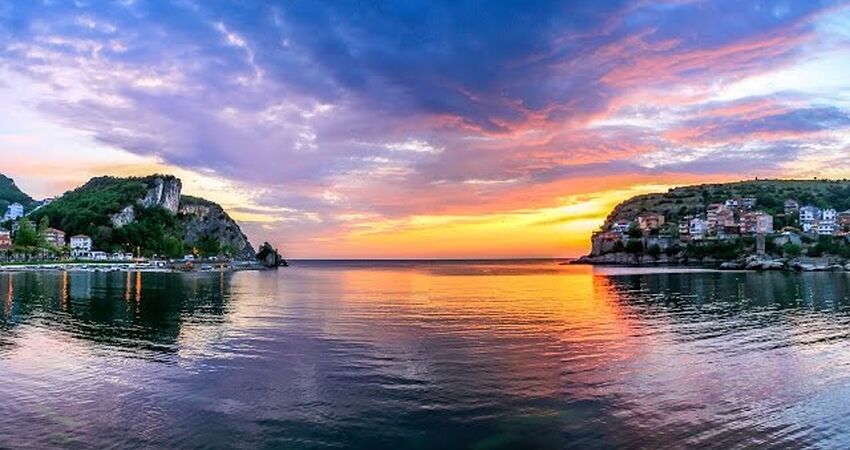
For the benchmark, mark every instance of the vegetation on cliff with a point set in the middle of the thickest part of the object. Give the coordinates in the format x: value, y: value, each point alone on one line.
x: 10, y: 193
x: 152, y: 220
x: 770, y: 195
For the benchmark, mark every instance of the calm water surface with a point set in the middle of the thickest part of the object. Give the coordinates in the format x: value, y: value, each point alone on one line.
x: 479, y: 355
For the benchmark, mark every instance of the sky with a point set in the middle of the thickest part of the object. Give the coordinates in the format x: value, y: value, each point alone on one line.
x: 423, y: 129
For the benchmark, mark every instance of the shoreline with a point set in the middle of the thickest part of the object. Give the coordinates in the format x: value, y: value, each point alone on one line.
x: 105, y: 266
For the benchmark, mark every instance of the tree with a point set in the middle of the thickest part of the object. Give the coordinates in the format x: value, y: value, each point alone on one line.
x: 26, y: 236
x: 654, y: 251
x: 791, y: 250
x: 634, y: 246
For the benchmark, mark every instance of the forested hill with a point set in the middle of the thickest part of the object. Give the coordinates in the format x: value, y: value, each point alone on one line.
x: 770, y: 194
x: 10, y: 193
x: 148, y: 213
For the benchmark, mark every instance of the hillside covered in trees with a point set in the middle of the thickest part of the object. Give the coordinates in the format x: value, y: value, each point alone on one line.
x: 147, y: 214
x: 10, y: 193
x: 770, y: 196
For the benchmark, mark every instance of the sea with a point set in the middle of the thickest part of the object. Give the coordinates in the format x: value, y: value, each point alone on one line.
x: 528, y: 354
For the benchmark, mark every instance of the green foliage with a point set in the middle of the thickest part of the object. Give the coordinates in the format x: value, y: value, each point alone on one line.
x: 27, y: 235
x: 156, y: 231
x: 634, y: 246
x: 208, y: 246
x: 791, y: 250
x: 654, y: 251
x: 635, y: 232
x: 719, y: 250
x: 10, y: 193
x: 88, y: 207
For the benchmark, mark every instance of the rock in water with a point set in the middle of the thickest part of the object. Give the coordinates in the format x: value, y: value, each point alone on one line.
x: 268, y: 256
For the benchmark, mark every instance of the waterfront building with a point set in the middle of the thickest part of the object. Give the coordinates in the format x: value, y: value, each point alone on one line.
x: 80, y: 246
x: 5, y: 240
x: 54, y: 237
x: 756, y: 222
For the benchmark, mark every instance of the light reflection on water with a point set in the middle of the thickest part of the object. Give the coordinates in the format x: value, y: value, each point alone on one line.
x: 425, y: 355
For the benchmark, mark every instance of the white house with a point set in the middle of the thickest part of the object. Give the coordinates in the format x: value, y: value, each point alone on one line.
x: 14, y: 211
x: 829, y: 215
x: 697, y: 228
x: 98, y: 256
x: 80, y: 246
x: 808, y: 215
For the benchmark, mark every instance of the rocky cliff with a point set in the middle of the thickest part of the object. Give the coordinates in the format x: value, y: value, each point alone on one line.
x: 203, y: 219
x: 146, y: 213
x: 162, y: 191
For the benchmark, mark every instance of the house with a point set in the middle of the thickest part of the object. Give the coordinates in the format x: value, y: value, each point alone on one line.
x: 842, y: 221
x: 80, y: 246
x: 602, y: 242
x: 788, y: 237
x: 824, y: 227
x: 621, y: 226
x: 748, y: 202
x: 5, y: 240
x: 756, y: 222
x: 808, y: 215
x: 98, y: 256
x: 711, y: 213
x: 54, y: 237
x: 650, y: 221
x: 829, y: 215
x: 697, y: 228
x: 791, y: 207
x: 732, y: 203
x: 684, y: 226
x: 14, y: 211
x: 118, y: 256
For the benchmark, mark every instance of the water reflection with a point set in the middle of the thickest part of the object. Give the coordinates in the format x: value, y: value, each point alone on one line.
x: 426, y: 355
x: 131, y: 310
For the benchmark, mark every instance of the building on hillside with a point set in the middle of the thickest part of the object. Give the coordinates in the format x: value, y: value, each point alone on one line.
x: 98, y: 255
x: 842, y: 221
x: 697, y: 229
x: 5, y: 240
x: 808, y: 216
x: 829, y: 215
x: 791, y: 207
x: 824, y: 227
x: 711, y: 213
x: 684, y: 227
x: 748, y: 202
x: 732, y: 203
x: 729, y: 231
x: 756, y: 222
x: 650, y: 221
x: 14, y: 212
x: 602, y: 242
x: 621, y: 226
x: 80, y: 246
x: 54, y: 237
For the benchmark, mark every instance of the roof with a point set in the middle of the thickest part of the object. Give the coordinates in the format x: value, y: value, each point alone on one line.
x: 80, y: 236
x: 55, y: 229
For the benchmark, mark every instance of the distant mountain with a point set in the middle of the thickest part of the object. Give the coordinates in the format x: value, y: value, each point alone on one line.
x: 10, y: 193
x: 146, y: 213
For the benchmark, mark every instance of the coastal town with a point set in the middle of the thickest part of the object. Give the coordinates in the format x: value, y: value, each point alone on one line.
x: 731, y: 229
x: 26, y: 245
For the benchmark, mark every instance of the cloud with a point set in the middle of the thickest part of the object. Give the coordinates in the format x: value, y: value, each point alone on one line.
x: 337, y: 110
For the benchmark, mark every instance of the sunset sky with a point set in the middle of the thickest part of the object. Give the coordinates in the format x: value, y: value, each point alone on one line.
x: 423, y: 128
